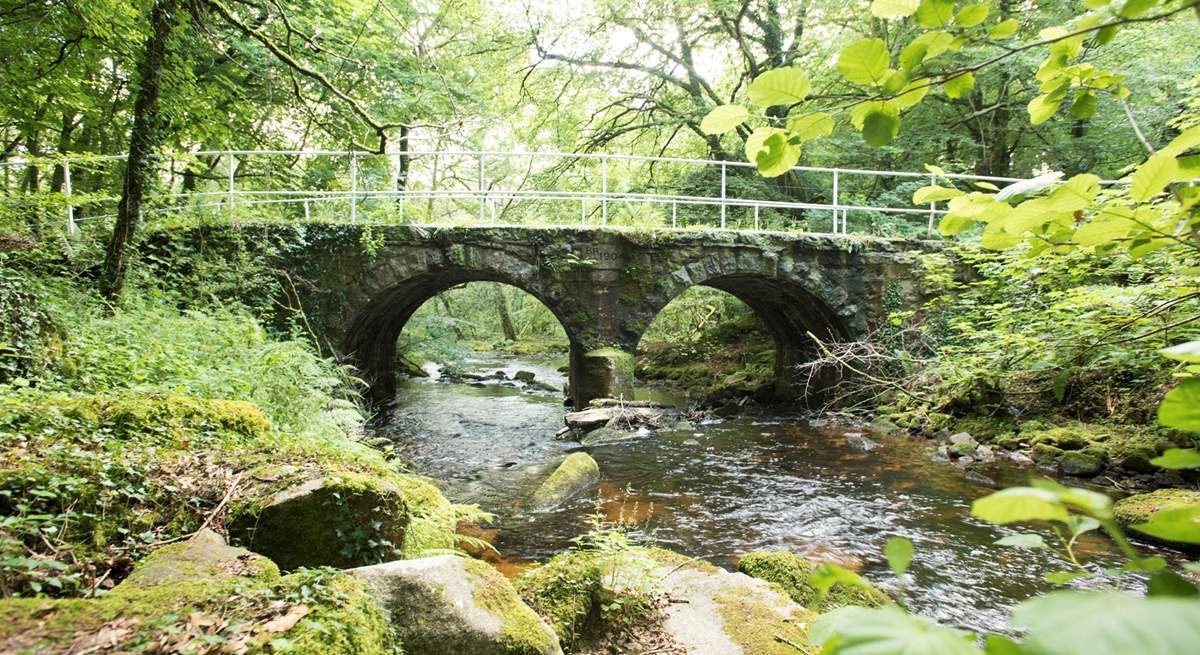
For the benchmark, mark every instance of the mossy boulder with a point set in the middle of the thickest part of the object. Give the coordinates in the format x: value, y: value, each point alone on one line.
x: 577, y: 474
x: 204, y: 557
x: 340, y: 520
x: 1046, y: 454
x: 1080, y: 463
x: 1140, y: 508
x: 451, y: 605
x: 793, y: 574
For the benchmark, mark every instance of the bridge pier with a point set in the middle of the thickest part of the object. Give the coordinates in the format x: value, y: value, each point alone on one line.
x: 600, y: 373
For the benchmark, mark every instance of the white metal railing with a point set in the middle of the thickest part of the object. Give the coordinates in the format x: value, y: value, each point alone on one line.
x: 496, y: 181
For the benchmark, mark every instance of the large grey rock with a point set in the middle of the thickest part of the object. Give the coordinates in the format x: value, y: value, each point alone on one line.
x: 451, y: 605
x: 606, y: 435
x: 204, y: 557
x: 577, y: 474
x: 524, y: 376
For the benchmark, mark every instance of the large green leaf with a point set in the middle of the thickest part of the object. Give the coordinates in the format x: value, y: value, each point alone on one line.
x: 1187, y: 140
x: 1178, y: 458
x: 1180, y: 408
x: 723, y: 119
x: 928, y: 194
x: 880, y: 127
x: 810, y: 126
x: 1004, y: 29
x: 887, y: 631
x: 777, y: 156
x: 1084, y: 106
x: 894, y: 8
x: 1020, y: 504
x: 864, y: 61
x: 1181, y: 524
x: 925, y: 47
x: 1094, y: 623
x: 1042, y: 108
x: 972, y: 15
x: 780, y: 86
x: 1153, y: 176
x: 959, y: 86
x: 755, y: 142
x: 935, y: 13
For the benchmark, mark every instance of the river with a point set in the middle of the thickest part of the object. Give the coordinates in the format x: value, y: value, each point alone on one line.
x: 725, y: 488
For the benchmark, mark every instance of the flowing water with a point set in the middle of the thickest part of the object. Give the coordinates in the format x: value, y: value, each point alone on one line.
x: 726, y: 488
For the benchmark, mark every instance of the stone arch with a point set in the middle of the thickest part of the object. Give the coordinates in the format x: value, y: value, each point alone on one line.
x: 370, y: 340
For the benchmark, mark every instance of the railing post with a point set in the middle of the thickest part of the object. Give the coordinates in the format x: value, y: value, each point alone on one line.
x: 482, y: 195
x: 723, y: 176
x: 835, y: 202
x: 603, y: 190
x: 353, y: 186
x: 71, y: 227
x: 756, y: 216
x: 230, y: 169
x: 932, y: 208
x: 307, y: 214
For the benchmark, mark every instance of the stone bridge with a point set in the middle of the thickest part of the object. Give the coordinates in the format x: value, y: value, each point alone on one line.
x: 358, y: 285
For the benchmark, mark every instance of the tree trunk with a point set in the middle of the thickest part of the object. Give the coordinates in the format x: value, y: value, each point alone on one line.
x: 145, y: 139
x: 506, y: 324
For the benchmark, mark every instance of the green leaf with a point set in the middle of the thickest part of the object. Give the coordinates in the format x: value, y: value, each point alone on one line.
x: 925, y: 47
x: 779, y: 86
x: 935, y: 13
x: 1000, y: 645
x: 1019, y: 504
x: 1178, y: 458
x: 899, y: 554
x: 1092, y: 502
x: 1187, y: 140
x: 1042, y: 108
x: 959, y: 86
x: 1188, y: 352
x: 972, y: 15
x: 928, y: 194
x: 1004, y: 29
x: 807, y: 127
x: 894, y: 8
x: 1063, y: 577
x: 864, y: 62
x: 880, y: 127
x: 886, y: 631
x: 1180, y: 524
x: 1153, y: 176
x: 1034, y: 541
x: 1135, y: 8
x: 1180, y: 408
x: 777, y: 155
x: 1084, y: 106
x: 936, y: 170
x: 723, y: 119
x: 1111, y: 623
x: 1082, y: 524
x: 1169, y: 583
x: 755, y: 142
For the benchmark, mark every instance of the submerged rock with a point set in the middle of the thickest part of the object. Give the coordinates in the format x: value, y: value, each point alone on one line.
x: 858, y: 441
x: 578, y: 473
x: 524, y: 376
x: 308, y: 524
x: 452, y: 605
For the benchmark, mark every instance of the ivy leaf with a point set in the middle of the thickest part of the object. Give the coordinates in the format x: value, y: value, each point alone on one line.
x: 1034, y: 541
x: 880, y: 127
x: 780, y: 86
x: 1042, y: 108
x: 935, y: 13
x: 723, y: 119
x: 864, y: 61
x: 1180, y: 524
x: 1004, y: 29
x: 1111, y: 623
x: 1180, y: 408
x: 807, y: 127
x: 886, y: 631
x: 894, y: 8
x: 1153, y: 176
x: 899, y: 554
x: 971, y: 15
x: 959, y: 86
x: 1178, y: 458
x: 1019, y: 504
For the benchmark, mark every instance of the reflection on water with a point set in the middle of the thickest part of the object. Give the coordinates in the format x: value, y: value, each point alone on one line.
x: 727, y: 488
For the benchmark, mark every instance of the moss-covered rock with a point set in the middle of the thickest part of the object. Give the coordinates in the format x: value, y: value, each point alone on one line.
x: 451, y: 605
x: 1078, y: 462
x: 578, y: 473
x: 793, y: 574
x: 1046, y: 454
x: 335, y: 520
x: 564, y: 591
x: 204, y: 557
x: 1140, y: 508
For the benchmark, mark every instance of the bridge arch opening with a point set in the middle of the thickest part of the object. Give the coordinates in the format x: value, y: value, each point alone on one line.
x: 446, y: 318
x: 788, y: 312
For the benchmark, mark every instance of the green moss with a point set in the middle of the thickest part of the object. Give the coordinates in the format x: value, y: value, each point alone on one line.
x: 755, y: 627
x: 985, y: 429
x: 1045, y: 453
x: 1139, y: 508
x: 577, y: 472
x: 937, y: 421
x: 523, y: 632
x: 793, y: 574
x: 563, y: 592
